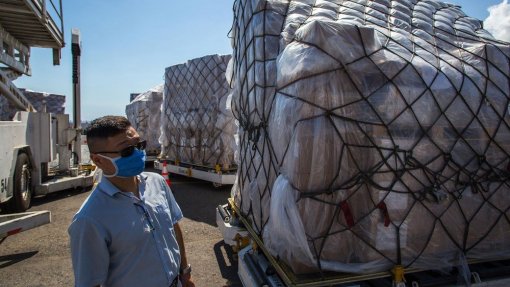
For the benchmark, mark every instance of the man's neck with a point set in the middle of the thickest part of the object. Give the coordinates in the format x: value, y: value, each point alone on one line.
x: 126, y: 184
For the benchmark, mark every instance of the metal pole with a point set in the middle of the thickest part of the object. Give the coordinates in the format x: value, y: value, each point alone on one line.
x: 76, y: 53
x: 61, y: 17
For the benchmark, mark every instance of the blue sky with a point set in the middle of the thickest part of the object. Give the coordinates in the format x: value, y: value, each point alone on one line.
x: 126, y: 46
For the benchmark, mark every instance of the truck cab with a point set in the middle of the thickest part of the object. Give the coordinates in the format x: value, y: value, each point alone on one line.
x: 40, y: 152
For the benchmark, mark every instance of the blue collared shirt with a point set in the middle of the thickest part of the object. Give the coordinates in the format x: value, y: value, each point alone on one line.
x: 120, y: 240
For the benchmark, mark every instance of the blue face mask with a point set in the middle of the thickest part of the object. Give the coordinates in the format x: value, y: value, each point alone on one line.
x: 128, y: 166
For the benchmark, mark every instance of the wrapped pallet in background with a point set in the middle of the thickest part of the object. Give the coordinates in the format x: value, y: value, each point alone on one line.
x: 197, y: 125
x: 144, y: 113
x: 42, y: 102
x: 7, y: 111
x: 372, y: 133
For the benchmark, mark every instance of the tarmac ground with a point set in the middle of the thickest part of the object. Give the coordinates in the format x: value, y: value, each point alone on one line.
x: 41, y: 257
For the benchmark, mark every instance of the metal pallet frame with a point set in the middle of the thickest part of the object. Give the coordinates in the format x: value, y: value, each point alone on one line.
x: 292, y: 280
x: 341, y: 279
x: 211, y: 174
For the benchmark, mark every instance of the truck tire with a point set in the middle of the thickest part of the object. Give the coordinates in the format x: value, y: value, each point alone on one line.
x: 22, y: 188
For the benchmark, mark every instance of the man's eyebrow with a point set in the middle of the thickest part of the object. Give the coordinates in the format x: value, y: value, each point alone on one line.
x: 119, y: 144
x: 128, y: 140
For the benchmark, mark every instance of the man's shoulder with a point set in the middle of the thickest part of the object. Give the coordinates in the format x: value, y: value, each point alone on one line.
x: 155, y: 182
x: 97, y: 200
x: 152, y: 176
x: 87, y: 211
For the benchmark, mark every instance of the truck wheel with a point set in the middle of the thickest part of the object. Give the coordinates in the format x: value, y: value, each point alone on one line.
x: 22, y: 189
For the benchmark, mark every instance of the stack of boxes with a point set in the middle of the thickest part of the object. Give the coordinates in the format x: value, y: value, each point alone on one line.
x: 42, y: 102
x: 144, y: 113
x: 372, y: 133
x: 197, y: 126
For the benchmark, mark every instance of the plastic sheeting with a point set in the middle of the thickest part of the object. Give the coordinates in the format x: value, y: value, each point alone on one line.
x: 197, y: 125
x: 144, y: 113
x: 372, y: 133
x: 50, y: 103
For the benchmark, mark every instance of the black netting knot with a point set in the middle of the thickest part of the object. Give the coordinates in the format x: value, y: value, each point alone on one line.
x: 481, y: 160
x: 254, y: 133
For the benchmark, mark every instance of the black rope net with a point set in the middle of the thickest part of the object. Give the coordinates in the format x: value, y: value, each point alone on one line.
x: 372, y: 133
x: 144, y: 114
x: 51, y: 103
x: 197, y: 126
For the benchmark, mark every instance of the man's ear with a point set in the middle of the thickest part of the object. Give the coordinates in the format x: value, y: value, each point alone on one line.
x: 103, y: 163
x: 97, y: 160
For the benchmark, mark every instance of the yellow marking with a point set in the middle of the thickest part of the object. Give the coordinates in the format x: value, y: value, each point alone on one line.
x: 398, y: 274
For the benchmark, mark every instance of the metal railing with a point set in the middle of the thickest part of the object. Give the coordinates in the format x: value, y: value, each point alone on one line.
x: 52, y: 13
x: 58, y: 12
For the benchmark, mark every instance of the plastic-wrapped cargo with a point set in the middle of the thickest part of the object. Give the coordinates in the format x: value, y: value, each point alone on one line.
x: 197, y: 125
x: 7, y: 111
x: 372, y: 133
x: 144, y: 113
x: 41, y: 101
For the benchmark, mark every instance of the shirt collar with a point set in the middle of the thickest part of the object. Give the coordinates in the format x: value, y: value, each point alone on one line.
x: 107, y: 187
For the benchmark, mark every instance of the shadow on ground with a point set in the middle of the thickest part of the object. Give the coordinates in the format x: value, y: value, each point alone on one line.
x: 8, y: 260
x: 227, y: 261
x: 55, y: 196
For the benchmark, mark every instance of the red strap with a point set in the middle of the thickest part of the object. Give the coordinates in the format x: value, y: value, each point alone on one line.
x: 14, y: 231
x: 346, y: 210
x: 382, y: 206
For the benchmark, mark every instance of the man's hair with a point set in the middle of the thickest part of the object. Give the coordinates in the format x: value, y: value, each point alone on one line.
x: 107, y: 126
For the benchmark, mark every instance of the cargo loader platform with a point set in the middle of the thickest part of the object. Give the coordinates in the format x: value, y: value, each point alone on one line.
x: 217, y: 176
x: 30, y: 23
x: 11, y: 224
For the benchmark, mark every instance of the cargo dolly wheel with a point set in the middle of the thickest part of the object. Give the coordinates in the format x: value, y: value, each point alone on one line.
x: 217, y: 185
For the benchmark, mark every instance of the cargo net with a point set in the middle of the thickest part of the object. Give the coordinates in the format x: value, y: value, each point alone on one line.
x: 372, y: 133
x: 197, y: 123
x: 144, y: 113
x: 51, y: 103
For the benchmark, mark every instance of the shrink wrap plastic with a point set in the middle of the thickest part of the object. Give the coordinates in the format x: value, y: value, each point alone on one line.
x: 144, y: 113
x: 372, y: 133
x: 197, y: 125
x: 51, y: 103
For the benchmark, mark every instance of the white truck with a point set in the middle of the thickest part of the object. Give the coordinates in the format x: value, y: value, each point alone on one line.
x: 40, y: 152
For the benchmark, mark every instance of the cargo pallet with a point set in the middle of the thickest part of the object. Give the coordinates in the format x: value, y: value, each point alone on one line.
x: 151, y: 155
x: 216, y: 175
x: 257, y: 267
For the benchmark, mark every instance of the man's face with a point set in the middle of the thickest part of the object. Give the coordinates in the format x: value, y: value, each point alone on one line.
x: 111, y: 147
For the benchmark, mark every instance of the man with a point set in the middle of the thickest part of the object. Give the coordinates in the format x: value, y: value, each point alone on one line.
x: 126, y: 233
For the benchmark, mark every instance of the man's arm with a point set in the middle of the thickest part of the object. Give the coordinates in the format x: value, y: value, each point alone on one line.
x: 89, y: 253
x: 185, y: 278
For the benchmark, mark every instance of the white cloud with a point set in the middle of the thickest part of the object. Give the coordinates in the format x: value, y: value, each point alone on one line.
x: 498, y: 22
